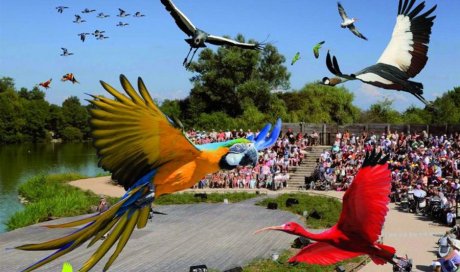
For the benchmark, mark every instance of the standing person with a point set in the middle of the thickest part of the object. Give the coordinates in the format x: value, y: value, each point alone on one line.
x: 102, y: 207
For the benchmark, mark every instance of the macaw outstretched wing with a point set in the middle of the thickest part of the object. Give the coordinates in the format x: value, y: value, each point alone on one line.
x: 132, y: 136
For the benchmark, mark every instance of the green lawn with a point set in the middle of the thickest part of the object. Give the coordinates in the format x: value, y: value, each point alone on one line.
x: 329, y: 208
x: 190, y: 198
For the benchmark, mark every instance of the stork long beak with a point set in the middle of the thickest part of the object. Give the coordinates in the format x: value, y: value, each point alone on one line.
x: 269, y: 228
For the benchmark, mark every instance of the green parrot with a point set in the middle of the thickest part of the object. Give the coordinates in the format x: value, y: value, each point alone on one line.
x: 317, y: 48
x: 295, y: 58
x: 67, y: 267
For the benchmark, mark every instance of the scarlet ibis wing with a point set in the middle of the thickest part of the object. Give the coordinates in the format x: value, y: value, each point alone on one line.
x: 323, y: 254
x: 365, y: 203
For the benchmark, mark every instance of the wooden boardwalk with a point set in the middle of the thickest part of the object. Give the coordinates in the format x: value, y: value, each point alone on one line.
x: 218, y: 235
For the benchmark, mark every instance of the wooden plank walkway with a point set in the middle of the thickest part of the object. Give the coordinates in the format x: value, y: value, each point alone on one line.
x: 218, y: 235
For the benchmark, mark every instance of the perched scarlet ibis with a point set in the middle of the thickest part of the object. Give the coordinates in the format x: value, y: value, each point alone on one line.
x: 69, y: 77
x: 360, y: 224
x: 46, y: 84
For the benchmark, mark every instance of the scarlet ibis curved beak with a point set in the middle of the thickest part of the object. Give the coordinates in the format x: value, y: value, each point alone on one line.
x: 269, y: 228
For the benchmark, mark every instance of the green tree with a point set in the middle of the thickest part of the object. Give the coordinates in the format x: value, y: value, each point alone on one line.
x: 71, y: 134
x: 447, y: 108
x: 35, y: 113
x: 316, y: 103
x: 382, y: 112
x: 171, y: 108
x: 227, y: 77
x: 75, y: 115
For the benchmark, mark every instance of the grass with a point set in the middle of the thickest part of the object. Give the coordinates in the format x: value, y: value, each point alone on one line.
x: 282, y: 265
x: 51, y: 196
x: 329, y: 208
x: 190, y: 198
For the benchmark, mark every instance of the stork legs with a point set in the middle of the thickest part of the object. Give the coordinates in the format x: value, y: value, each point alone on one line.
x: 190, y: 61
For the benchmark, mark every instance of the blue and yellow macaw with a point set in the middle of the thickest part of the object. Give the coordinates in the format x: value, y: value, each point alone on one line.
x: 150, y: 157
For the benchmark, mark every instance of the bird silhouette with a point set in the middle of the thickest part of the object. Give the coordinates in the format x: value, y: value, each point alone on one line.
x: 295, y: 58
x: 60, y: 9
x: 122, y: 24
x: 349, y: 22
x: 138, y: 14
x: 46, y: 84
x: 96, y: 33
x: 316, y: 49
x: 83, y: 36
x: 198, y: 36
x: 102, y: 15
x: 87, y: 10
x: 122, y: 13
x: 360, y: 224
x: 65, y: 52
x: 78, y: 19
x: 403, y: 58
x: 101, y: 37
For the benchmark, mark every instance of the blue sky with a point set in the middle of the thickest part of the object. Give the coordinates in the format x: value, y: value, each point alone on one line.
x: 32, y: 33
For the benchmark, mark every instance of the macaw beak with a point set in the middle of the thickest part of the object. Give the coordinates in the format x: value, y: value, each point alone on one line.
x: 269, y: 228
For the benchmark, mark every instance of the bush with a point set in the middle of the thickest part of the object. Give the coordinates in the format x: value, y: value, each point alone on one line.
x: 71, y: 134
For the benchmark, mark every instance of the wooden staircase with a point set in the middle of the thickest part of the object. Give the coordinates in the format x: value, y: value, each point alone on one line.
x: 297, y: 174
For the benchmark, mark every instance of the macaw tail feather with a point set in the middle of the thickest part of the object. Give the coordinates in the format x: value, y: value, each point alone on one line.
x: 120, y: 219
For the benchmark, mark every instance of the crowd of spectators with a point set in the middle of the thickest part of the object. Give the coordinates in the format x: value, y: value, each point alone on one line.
x: 417, y: 161
x: 272, y: 170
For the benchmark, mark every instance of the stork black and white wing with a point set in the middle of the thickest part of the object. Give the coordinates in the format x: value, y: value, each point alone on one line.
x: 342, y: 12
x: 355, y: 31
x: 181, y: 20
x: 218, y: 40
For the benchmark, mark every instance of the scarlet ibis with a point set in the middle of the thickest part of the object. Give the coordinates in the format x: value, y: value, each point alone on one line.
x: 198, y: 36
x: 363, y: 213
x: 122, y: 24
x: 65, y: 52
x: 60, y: 9
x: 295, y: 58
x: 78, y: 19
x: 316, y: 48
x: 138, y: 14
x: 69, y: 77
x: 349, y: 22
x: 46, y: 84
x: 122, y: 13
x: 404, y: 57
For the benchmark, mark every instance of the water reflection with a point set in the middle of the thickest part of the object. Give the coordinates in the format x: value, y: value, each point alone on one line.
x: 20, y: 162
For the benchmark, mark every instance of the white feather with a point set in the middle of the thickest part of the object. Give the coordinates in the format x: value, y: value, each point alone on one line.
x: 397, y: 51
x: 371, y: 77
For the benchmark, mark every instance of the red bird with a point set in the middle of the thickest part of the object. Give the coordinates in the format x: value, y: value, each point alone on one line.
x: 363, y: 213
x: 70, y: 78
x: 46, y: 84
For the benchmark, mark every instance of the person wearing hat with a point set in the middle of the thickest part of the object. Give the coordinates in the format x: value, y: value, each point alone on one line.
x: 449, y: 260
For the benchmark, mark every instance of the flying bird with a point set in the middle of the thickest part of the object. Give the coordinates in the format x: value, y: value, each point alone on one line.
x: 360, y: 224
x: 102, y: 15
x: 122, y: 24
x: 87, y: 10
x: 83, y: 36
x: 138, y: 14
x: 101, y: 37
x: 198, y: 36
x: 403, y: 58
x: 316, y: 49
x: 349, y: 22
x: 60, y: 9
x: 122, y: 13
x: 96, y: 33
x: 46, y: 84
x: 69, y: 77
x: 78, y: 19
x: 295, y: 58
x: 65, y: 52
x: 146, y: 154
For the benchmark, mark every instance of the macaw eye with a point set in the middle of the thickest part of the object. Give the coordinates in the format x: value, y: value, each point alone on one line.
x: 238, y: 148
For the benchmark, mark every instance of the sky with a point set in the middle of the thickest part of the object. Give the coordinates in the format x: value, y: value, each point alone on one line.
x: 153, y: 47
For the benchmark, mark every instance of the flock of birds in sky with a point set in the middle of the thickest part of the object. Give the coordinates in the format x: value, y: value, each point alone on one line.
x: 150, y: 157
x: 98, y: 35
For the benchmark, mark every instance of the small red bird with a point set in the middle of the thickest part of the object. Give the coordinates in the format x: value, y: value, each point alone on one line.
x: 46, y: 84
x: 363, y: 213
x: 70, y: 78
